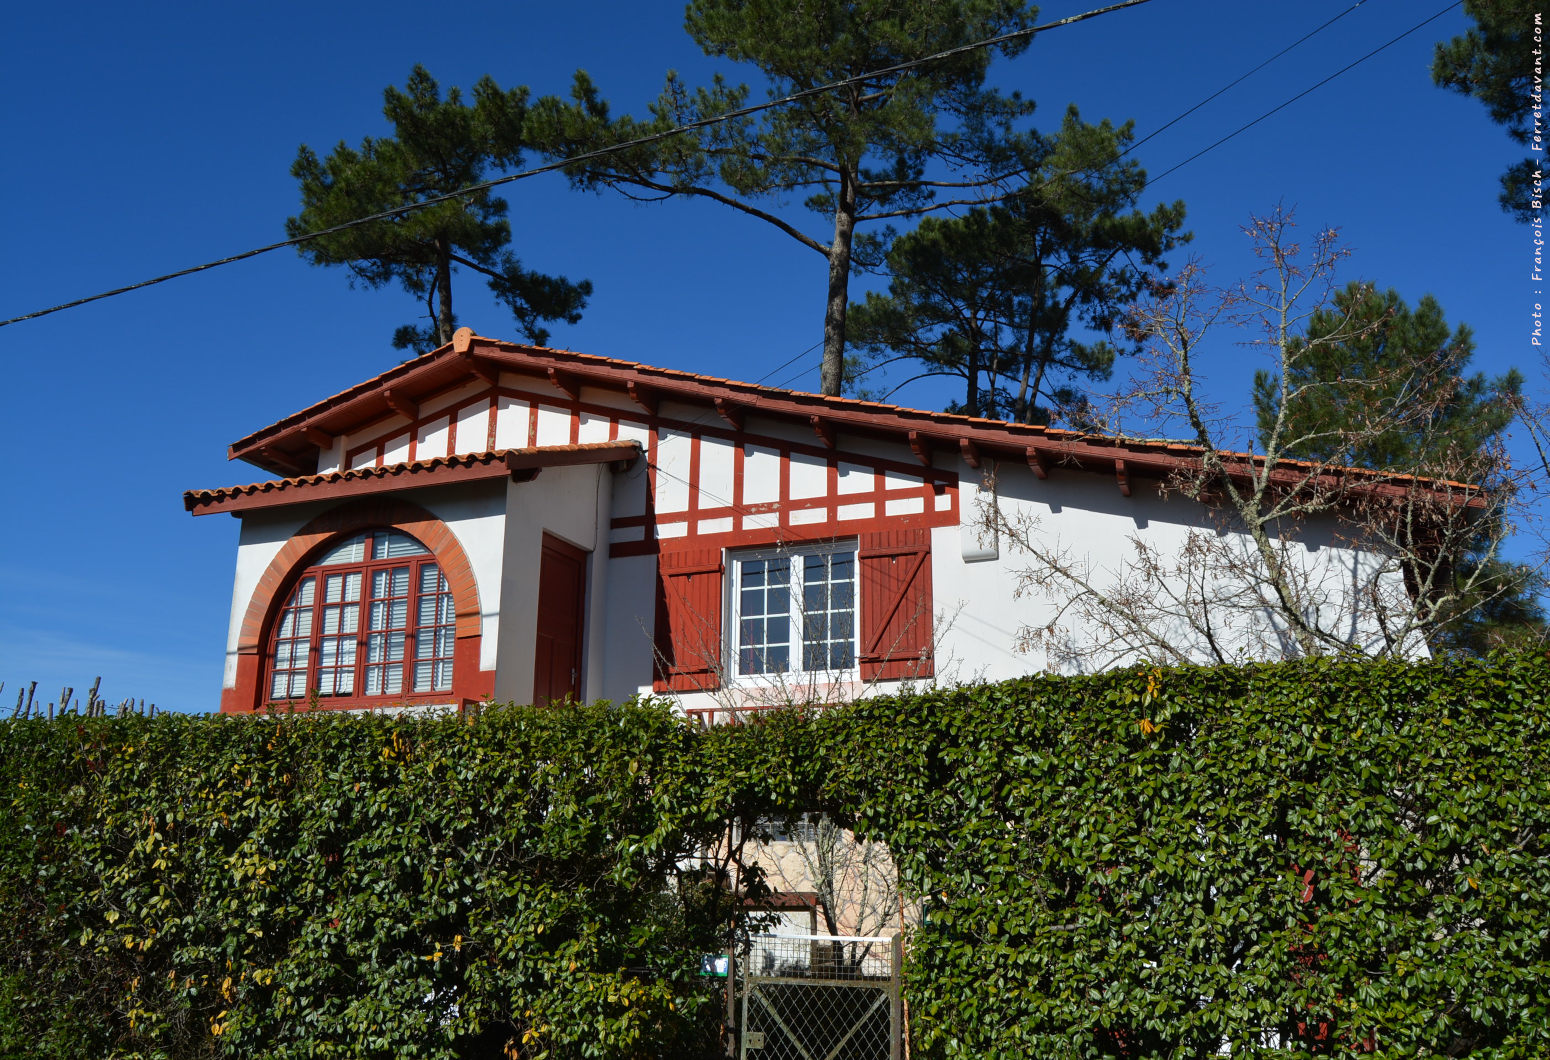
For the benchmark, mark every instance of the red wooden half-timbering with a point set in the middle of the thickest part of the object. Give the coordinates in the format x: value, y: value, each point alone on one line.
x: 710, y: 477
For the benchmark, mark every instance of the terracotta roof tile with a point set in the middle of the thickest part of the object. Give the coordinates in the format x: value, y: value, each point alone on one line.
x: 496, y: 463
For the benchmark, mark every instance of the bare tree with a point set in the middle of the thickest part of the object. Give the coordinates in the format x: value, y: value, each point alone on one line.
x: 853, y: 880
x: 1296, y: 552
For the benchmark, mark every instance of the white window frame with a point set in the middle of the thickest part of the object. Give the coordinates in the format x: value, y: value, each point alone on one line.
x: 732, y: 609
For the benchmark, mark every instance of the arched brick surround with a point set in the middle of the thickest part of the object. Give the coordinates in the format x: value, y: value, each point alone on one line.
x: 468, y: 682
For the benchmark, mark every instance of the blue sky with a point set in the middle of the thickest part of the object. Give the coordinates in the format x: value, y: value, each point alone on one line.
x: 145, y: 138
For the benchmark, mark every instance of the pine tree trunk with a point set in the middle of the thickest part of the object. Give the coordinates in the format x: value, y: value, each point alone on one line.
x: 1028, y: 396
x: 839, y: 288
x: 971, y: 402
x: 444, y: 319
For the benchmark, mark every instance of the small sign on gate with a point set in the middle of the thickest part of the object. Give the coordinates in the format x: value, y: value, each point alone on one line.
x: 753, y: 1039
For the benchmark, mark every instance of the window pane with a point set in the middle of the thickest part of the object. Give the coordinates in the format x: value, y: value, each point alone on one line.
x: 764, y: 615
x: 390, y: 544
x: 815, y: 597
x: 817, y: 627
x: 431, y: 643
x: 389, y: 614
x: 829, y: 613
x: 777, y: 630
x: 384, y: 680
x: 753, y: 574
x: 435, y: 632
x: 351, y: 550
x: 385, y: 647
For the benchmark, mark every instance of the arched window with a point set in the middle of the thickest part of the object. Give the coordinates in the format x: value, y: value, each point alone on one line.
x: 371, y: 618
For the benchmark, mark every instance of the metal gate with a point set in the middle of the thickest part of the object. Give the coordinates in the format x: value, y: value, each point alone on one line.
x: 820, y: 997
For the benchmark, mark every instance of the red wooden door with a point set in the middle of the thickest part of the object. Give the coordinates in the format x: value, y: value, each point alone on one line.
x: 562, y: 589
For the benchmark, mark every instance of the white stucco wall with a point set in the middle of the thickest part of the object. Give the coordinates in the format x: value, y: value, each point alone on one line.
x: 982, y: 616
x: 629, y: 614
x: 572, y: 503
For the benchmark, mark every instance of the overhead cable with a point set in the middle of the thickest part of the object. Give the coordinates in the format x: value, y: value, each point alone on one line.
x: 1355, y: 62
x: 587, y: 156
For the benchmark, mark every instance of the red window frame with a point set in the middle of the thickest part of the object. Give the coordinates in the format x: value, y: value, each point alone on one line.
x: 313, y: 648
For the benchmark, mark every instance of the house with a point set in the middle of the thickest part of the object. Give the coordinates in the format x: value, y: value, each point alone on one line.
x: 499, y: 520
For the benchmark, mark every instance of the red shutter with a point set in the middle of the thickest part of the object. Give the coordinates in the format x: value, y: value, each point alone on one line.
x: 688, y: 634
x: 896, y: 618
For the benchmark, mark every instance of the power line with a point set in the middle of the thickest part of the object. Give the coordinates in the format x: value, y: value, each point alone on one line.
x: 788, y: 362
x: 1234, y: 83
x: 1356, y: 62
x: 1244, y: 128
x: 603, y: 152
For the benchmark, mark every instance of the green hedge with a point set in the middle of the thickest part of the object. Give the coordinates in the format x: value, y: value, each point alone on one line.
x: 1315, y: 858
x: 356, y: 887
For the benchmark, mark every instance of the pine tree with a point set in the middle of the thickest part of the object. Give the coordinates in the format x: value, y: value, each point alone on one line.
x: 1497, y: 63
x: 873, y: 152
x: 1375, y: 384
x: 996, y: 295
x: 438, y: 147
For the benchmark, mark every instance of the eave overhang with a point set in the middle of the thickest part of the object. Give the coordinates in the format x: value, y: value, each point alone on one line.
x: 519, y: 465
x: 293, y: 442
